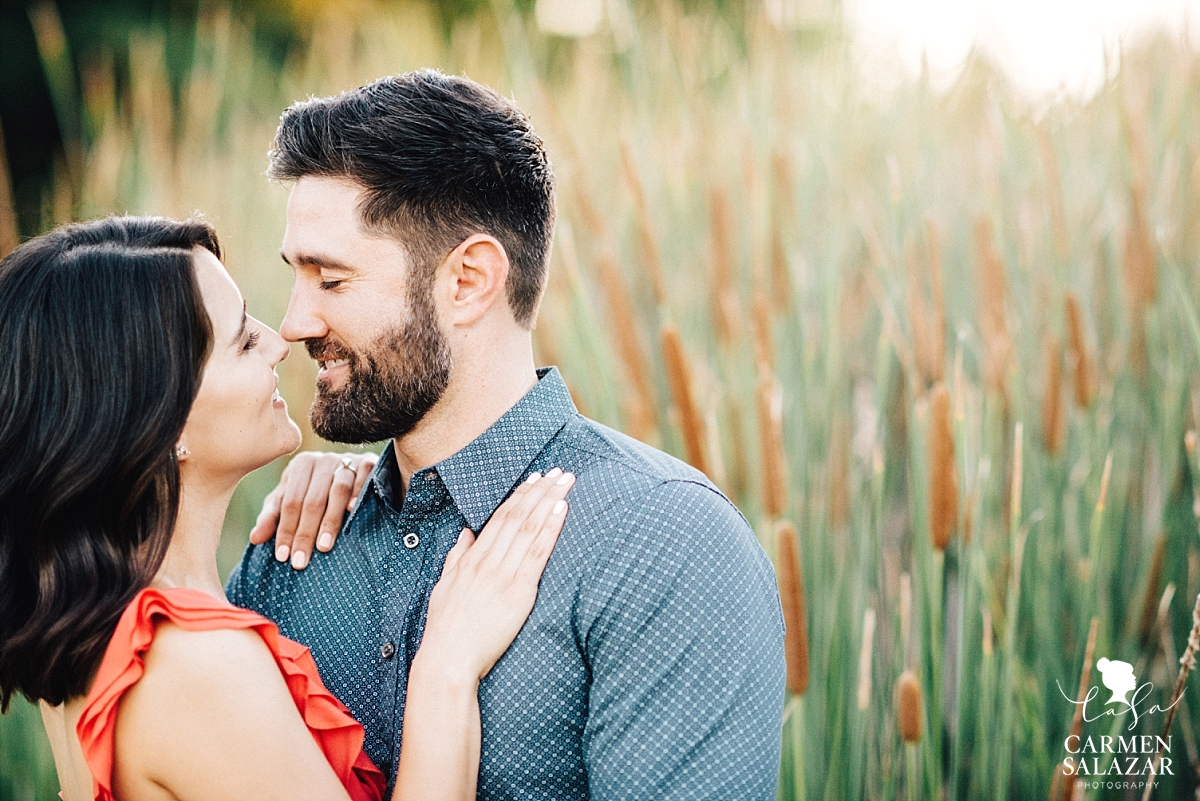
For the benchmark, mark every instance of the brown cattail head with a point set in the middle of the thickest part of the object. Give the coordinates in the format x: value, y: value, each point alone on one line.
x: 989, y: 644
x: 679, y: 376
x: 640, y: 399
x: 651, y: 255
x: 1153, y: 589
x: 993, y: 321
x: 908, y: 707
x: 9, y: 237
x: 795, y: 618
x: 764, y: 348
x: 782, y: 216
x: 1054, y: 200
x: 864, y: 659
x: 928, y: 320
x: 1053, y: 424
x: 1141, y: 276
x: 725, y: 305
x: 770, y: 432
x: 943, y: 475
x: 839, y: 472
x: 1077, y: 352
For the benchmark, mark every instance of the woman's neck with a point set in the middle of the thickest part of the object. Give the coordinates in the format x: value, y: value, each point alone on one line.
x: 191, y: 559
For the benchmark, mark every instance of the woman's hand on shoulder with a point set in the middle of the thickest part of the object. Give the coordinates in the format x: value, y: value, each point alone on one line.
x: 212, y: 718
x: 489, y: 583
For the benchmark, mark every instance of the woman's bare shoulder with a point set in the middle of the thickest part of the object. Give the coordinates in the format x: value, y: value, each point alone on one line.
x: 211, y: 717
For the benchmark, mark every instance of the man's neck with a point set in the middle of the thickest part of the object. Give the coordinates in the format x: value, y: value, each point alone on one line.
x: 474, y: 400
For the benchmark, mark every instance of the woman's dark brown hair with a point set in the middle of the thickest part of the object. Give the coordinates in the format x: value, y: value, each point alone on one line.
x: 103, y: 340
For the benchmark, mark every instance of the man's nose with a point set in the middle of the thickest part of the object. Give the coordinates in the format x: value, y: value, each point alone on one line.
x: 303, y: 319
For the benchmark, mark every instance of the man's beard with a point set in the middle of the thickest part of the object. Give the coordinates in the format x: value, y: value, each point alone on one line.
x: 391, y: 386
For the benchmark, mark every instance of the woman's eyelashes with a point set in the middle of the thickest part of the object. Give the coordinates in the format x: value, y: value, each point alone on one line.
x: 251, y: 341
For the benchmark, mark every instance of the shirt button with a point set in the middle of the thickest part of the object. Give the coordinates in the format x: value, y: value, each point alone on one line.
x: 387, y: 651
x: 411, y: 540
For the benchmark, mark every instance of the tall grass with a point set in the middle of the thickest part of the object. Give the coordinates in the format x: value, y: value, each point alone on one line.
x: 846, y: 307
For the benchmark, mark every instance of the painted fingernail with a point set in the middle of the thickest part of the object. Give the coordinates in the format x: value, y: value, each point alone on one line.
x: 559, y: 508
x: 567, y: 478
x: 299, y: 560
x: 553, y: 472
x: 533, y: 477
x: 281, y: 553
x: 325, y: 541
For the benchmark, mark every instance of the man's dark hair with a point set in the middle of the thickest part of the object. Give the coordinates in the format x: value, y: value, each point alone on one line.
x: 441, y: 158
x: 103, y: 341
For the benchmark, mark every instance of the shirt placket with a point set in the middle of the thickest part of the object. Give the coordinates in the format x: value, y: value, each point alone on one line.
x: 406, y: 584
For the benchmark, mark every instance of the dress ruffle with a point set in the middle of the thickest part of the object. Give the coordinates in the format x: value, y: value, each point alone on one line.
x: 338, y: 734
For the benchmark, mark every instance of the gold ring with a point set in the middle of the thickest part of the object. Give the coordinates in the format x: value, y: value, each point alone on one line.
x: 347, y: 463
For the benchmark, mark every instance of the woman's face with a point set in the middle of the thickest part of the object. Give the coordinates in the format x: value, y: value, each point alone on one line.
x: 238, y: 422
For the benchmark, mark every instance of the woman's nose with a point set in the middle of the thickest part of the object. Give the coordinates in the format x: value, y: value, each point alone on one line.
x: 276, y: 346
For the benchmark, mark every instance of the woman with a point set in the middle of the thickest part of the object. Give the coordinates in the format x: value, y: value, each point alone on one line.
x: 135, y: 393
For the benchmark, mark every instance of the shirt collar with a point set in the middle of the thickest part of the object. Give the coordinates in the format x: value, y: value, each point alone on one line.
x: 480, y: 476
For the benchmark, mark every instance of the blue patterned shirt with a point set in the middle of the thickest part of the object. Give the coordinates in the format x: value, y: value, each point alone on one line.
x: 652, y: 664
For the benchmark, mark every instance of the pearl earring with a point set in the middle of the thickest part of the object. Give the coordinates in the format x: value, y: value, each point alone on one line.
x: 182, y: 451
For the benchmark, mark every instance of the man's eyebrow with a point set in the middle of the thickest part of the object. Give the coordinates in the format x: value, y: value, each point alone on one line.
x: 242, y: 328
x: 316, y: 260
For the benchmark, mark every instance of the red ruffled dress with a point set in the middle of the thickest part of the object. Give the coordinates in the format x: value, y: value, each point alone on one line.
x: 339, y: 735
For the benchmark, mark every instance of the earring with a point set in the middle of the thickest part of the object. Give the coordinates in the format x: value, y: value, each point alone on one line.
x: 182, y: 451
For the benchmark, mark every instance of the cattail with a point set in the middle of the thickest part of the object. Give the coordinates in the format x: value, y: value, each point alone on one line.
x: 9, y: 237
x: 783, y: 215
x: 1153, y: 588
x: 764, y: 348
x: 864, y: 660
x: 725, y: 305
x: 1052, y: 408
x: 770, y: 432
x: 988, y: 635
x: 640, y: 403
x: 1141, y: 280
x: 1085, y: 680
x: 927, y: 344
x: 781, y: 281
x: 928, y: 321
x: 1080, y: 359
x: 651, y: 256
x: 795, y: 619
x: 740, y: 478
x: 1186, y: 663
x: 1104, y: 478
x: 993, y: 323
x: 943, y: 476
x: 679, y: 376
x: 839, y: 472
x: 712, y: 443
x: 908, y: 707
x: 906, y: 613
x: 1058, y: 224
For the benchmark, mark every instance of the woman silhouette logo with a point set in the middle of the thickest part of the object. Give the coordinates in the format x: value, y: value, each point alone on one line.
x: 1118, y: 677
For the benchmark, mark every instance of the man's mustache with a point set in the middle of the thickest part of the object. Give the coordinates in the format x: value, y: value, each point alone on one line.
x: 327, y: 350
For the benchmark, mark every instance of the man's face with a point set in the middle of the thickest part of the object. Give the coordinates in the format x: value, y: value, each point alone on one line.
x: 370, y: 325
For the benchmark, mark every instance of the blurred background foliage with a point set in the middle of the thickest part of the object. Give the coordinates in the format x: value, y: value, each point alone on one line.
x: 940, y: 345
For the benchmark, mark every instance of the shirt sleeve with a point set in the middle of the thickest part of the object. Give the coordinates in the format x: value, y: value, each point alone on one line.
x: 683, y: 634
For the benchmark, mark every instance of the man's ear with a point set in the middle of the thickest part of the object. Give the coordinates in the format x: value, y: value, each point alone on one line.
x: 474, y: 276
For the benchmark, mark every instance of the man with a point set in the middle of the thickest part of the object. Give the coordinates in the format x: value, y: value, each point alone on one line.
x: 419, y: 228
